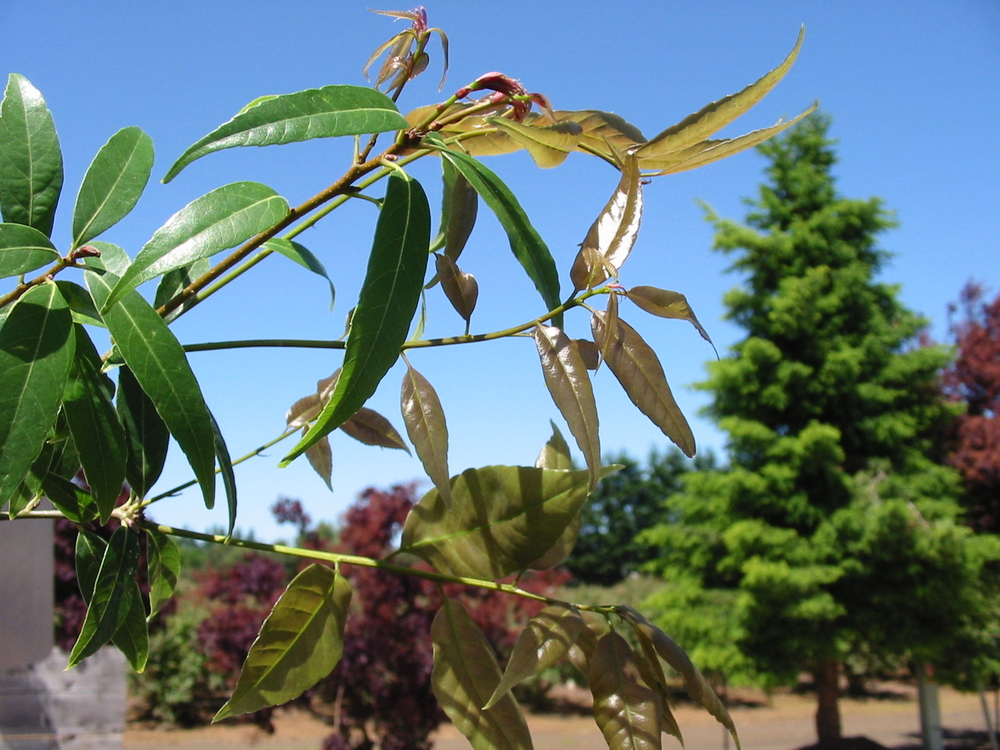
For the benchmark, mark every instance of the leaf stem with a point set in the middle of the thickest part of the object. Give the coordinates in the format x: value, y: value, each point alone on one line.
x: 18, y: 291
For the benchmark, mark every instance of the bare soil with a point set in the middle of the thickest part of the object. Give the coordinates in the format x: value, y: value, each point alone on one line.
x: 783, y: 723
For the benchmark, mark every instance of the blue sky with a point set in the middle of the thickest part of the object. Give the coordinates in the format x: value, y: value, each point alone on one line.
x: 912, y: 86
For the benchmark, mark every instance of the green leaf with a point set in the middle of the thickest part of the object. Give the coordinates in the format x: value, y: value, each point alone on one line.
x: 299, y: 643
x: 459, y: 207
x: 388, y: 301
x: 36, y: 351
x: 666, y: 304
x: 132, y: 636
x: 81, y: 304
x: 304, y: 257
x: 501, y: 519
x: 112, y: 258
x: 624, y: 708
x: 525, y: 242
x: 569, y: 385
x: 31, y: 168
x: 216, y: 221
x: 228, y: 474
x: 545, y: 640
x: 549, y: 145
x: 23, y: 249
x: 113, y: 184
x: 639, y: 371
x: 427, y: 428
x: 327, y: 112
x: 464, y: 676
x: 89, y: 553
x: 555, y: 455
x: 160, y: 366
x: 73, y: 502
x: 555, y: 452
x: 163, y: 561
x: 112, y: 595
x: 96, y: 428
x: 146, y: 434
x: 174, y: 282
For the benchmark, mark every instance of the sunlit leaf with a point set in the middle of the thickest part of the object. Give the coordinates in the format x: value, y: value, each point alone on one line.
x: 163, y: 560
x: 112, y: 258
x: 459, y: 207
x: 303, y: 411
x: 23, y: 249
x: 569, y: 385
x: 95, y: 425
x: 639, y: 371
x: 113, y: 184
x: 426, y: 426
x: 464, y: 676
x: 459, y: 287
x: 624, y: 708
x: 589, y: 353
x: 174, y: 282
x: 304, y: 257
x: 549, y: 145
x: 599, y: 129
x: 555, y: 455
x: 393, y: 281
x: 36, y: 352
x: 544, y: 641
x: 216, y: 221
x: 652, y: 674
x: 145, y: 431
x: 501, y: 519
x: 299, y: 643
x: 371, y: 428
x: 582, y: 651
x: 326, y: 112
x: 160, y: 366
x: 665, y: 304
x: 31, y: 167
x: 227, y: 472
x: 320, y: 457
x: 81, y: 304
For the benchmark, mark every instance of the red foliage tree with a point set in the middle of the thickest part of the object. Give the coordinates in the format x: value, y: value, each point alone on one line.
x: 974, y: 379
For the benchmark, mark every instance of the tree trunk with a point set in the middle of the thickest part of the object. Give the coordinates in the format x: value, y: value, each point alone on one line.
x: 930, y: 707
x: 826, y: 678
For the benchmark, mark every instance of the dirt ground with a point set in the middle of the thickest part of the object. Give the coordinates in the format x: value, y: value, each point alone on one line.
x: 784, y: 724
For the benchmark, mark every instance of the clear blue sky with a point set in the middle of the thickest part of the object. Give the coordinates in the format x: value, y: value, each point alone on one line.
x: 914, y: 89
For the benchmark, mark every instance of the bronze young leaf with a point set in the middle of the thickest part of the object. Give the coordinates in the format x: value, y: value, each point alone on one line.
x: 555, y: 455
x: 666, y: 304
x: 371, y: 428
x: 459, y: 287
x: 625, y: 709
x: 426, y: 426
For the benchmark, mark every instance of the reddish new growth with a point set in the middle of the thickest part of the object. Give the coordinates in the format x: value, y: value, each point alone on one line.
x: 507, y: 90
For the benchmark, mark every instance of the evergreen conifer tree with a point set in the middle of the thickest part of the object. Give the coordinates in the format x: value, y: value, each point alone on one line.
x: 836, y: 524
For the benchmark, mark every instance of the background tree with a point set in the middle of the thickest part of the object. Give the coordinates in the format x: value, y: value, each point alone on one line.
x: 836, y: 525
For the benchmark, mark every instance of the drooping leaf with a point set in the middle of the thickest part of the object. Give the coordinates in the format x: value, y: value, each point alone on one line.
x: 163, y: 560
x: 132, y: 636
x: 549, y: 145
x: 427, y: 428
x: 464, y: 676
x: 569, y: 385
x: 326, y: 112
x: 216, y: 221
x: 388, y: 301
x: 555, y: 455
x: 695, y: 683
x: 501, y: 519
x: 159, y: 364
x: 459, y: 207
x: 544, y: 641
x: 174, y: 282
x: 36, y: 352
x: 23, y: 249
x: 113, y: 184
x: 87, y: 562
x: 320, y: 457
x: 304, y: 257
x: 652, y: 674
x: 371, y: 428
x: 589, y: 353
x: 31, y: 167
x: 145, y: 432
x: 76, y: 504
x: 665, y: 304
x: 624, y: 708
x: 228, y: 475
x: 639, y: 371
x: 95, y: 425
x: 81, y: 304
x: 582, y: 651
x: 112, y: 595
x: 525, y: 242
x: 299, y: 643
x: 461, y: 289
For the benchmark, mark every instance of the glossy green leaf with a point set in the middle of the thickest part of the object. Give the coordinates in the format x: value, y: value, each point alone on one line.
x: 146, y: 434
x: 326, y: 112
x: 74, y: 503
x: 548, y: 145
x: 31, y: 167
x: 695, y: 683
x: 426, y: 426
x: 459, y: 208
x: 23, y: 249
x: 501, y: 519
x: 81, y: 304
x: 112, y: 595
x: 160, y: 366
x: 544, y: 641
x: 624, y: 708
x: 304, y: 257
x: 525, y: 242
x: 36, y: 352
x: 95, y: 425
x: 113, y: 184
x: 461, y: 289
x: 132, y: 636
x: 639, y: 371
x: 174, y: 282
x: 87, y: 562
x: 569, y: 385
x: 216, y: 221
x: 112, y: 258
x: 163, y: 561
x: 371, y: 428
x: 395, y: 275
x: 299, y: 643
x: 666, y: 304
x: 228, y: 474
x: 464, y: 676
x: 555, y: 455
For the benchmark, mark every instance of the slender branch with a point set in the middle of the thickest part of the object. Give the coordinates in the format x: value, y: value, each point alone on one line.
x: 18, y: 291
